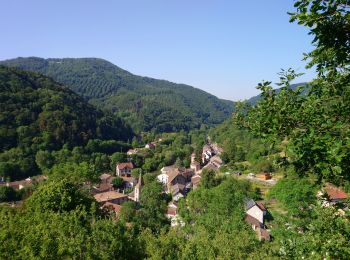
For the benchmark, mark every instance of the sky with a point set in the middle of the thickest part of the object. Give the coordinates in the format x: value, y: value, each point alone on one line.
x: 223, y: 47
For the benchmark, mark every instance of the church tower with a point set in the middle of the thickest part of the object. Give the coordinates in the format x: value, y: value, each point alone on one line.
x: 138, y: 188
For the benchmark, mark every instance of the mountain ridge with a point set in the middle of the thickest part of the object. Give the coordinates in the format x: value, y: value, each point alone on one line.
x: 145, y: 103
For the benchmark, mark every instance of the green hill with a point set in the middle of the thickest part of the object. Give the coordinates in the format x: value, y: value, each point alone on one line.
x: 35, y: 106
x: 37, y: 113
x: 146, y: 103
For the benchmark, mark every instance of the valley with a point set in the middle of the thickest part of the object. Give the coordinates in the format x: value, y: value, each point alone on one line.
x: 99, y: 163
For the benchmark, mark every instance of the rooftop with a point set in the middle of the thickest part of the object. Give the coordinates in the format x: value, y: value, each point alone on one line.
x: 125, y: 165
x: 335, y: 193
x: 114, y: 206
x: 109, y: 195
x: 105, y: 176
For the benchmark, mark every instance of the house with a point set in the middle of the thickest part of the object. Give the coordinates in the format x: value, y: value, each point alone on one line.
x: 207, y: 153
x: 211, y: 166
x: 171, y: 212
x: 195, y: 181
x: 187, y: 173
x: 178, y: 191
x: 116, y: 208
x: 129, y: 182
x: 104, y: 185
x: 253, y: 222
x: 18, y: 185
x: 335, y: 194
x: 172, y: 177
x: 175, y: 177
x: 264, y: 176
x: 105, y: 178
x: 195, y: 166
x: 111, y: 196
x: 163, y: 177
x: 259, y: 228
x: 166, y: 169
x: 124, y: 169
x: 216, y: 161
x: 255, y: 210
x: 216, y: 148
x: 255, y: 216
x: 263, y: 234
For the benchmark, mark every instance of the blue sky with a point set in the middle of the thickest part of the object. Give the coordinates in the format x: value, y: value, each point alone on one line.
x: 223, y: 47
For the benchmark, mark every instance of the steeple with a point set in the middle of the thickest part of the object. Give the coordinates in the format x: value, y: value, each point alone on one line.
x: 138, y: 188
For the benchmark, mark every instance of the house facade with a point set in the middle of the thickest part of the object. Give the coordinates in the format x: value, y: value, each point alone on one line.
x: 124, y: 169
x: 255, y: 216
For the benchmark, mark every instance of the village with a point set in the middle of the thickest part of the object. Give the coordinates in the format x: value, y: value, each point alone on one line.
x: 177, y: 182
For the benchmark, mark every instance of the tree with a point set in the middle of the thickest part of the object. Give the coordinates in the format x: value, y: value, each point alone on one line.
x: 117, y: 158
x: 44, y: 160
x: 10, y: 170
x: 208, y: 179
x: 60, y: 196
x: 152, y: 212
x: 329, y: 23
x: 75, y: 172
x: 118, y: 182
x: 8, y: 194
x: 151, y: 164
x: 325, y: 236
x: 178, y: 162
x: 135, y: 173
x: 137, y: 160
x: 128, y: 212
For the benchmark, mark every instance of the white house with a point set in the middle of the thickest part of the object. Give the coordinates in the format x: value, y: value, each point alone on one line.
x: 163, y: 178
x: 124, y: 169
x: 255, y: 210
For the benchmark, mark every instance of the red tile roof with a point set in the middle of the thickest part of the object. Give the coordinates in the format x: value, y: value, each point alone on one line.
x: 125, y: 165
x: 113, y: 206
x: 335, y: 193
x: 171, y: 211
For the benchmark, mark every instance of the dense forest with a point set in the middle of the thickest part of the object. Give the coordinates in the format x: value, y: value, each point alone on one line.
x: 145, y: 103
x: 39, y: 114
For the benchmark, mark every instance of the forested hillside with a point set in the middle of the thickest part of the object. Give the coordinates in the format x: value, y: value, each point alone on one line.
x: 145, y: 103
x: 39, y: 114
